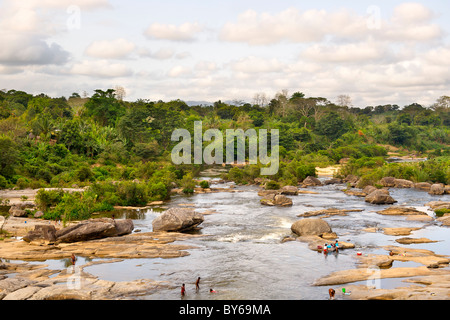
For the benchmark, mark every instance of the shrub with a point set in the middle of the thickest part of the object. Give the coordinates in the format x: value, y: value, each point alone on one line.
x: 204, y: 184
x: 46, y: 199
x: 84, y: 173
x: 157, y: 191
x: 272, y: 185
x: 132, y: 193
x: 441, y: 212
x: 3, y: 182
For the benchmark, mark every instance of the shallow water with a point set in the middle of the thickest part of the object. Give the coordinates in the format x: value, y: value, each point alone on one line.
x: 242, y: 256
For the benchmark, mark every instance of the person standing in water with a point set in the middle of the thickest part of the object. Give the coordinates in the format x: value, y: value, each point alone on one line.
x: 183, y: 290
x: 197, y: 287
x: 73, y: 259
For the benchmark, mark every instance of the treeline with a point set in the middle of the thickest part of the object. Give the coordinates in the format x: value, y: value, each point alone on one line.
x: 75, y: 141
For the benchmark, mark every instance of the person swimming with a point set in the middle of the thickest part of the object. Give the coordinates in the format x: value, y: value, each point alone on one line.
x: 212, y: 291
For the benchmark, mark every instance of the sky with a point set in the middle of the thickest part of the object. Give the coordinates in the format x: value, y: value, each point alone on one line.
x: 376, y: 52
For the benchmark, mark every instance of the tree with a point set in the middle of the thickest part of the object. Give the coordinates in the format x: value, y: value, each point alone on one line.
x: 344, y: 100
x: 120, y: 93
x: 332, y: 125
x: 283, y: 102
x: 399, y: 134
x: 260, y: 99
x: 104, y: 107
x: 8, y: 156
x: 442, y: 104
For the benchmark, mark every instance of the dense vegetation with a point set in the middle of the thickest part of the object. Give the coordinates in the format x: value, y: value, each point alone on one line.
x: 122, y: 149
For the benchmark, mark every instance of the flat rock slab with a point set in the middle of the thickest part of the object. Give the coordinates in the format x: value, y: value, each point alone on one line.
x: 362, y: 274
x: 414, y: 240
x: 397, y: 210
x: 137, y: 245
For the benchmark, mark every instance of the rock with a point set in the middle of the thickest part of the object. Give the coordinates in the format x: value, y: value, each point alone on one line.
x: 422, y: 186
x: 328, y: 212
x: 352, y: 179
x: 39, y: 214
x: 399, y: 231
x: 281, y: 200
x: 387, y: 182
x: 289, y: 190
x: 276, y: 200
x: 355, y: 192
x: 445, y: 220
x: 46, y: 233
x: 267, y: 193
x: 310, y: 226
x: 403, y: 183
x: 369, y: 189
x: 438, y: 205
x: 311, y: 181
x: 414, y: 240
x: 397, y: 210
x: 95, y: 229
x: 437, y: 189
x: 17, y: 212
x: 379, y: 197
x: 332, y: 181
x: 177, y: 219
x: 447, y: 189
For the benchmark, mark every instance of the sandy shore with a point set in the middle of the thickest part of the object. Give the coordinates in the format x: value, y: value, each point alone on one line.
x: 327, y: 171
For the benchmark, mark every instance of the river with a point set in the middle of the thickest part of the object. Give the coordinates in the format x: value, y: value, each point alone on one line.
x: 241, y: 256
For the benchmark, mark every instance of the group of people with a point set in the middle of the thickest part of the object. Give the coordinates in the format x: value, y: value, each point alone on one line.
x: 329, y: 247
x: 197, y: 288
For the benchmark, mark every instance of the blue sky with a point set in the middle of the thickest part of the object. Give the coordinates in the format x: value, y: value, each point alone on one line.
x: 377, y: 52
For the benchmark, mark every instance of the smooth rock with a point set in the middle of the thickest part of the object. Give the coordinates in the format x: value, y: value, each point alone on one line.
x: 379, y: 197
x: 310, y: 226
x: 177, y: 219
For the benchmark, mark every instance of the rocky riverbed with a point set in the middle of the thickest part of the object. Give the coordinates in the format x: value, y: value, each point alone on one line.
x: 22, y: 278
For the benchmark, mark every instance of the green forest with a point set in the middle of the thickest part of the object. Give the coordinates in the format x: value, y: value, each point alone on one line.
x: 121, y: 149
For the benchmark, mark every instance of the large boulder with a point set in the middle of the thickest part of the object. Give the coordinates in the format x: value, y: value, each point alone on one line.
x: 437, y: 189
x: 177, y: 219
x: 422, y: 186
x: 95, y: 229
x: 45, y: 233
x: 403, y: 183
x: 19, y: 209
x: 311, y: 181
x: 311, y: 226
x: 369, y: 189
x: 289, y: 190
x: 352, y: 180
x: 380, y: 196
x: 387, y: 182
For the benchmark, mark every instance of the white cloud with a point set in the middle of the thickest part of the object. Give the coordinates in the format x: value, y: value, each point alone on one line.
x: 29, y: 50
x: 160, y: 54
x: 412, y: 14
x: 184, y: 32
x: 254, y: 64
x: 101, y: 68
x: 291, y: 25
x: 179, y: 71
x: 409, y: 21
x: 347, y: 52
x: 110, y: 49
